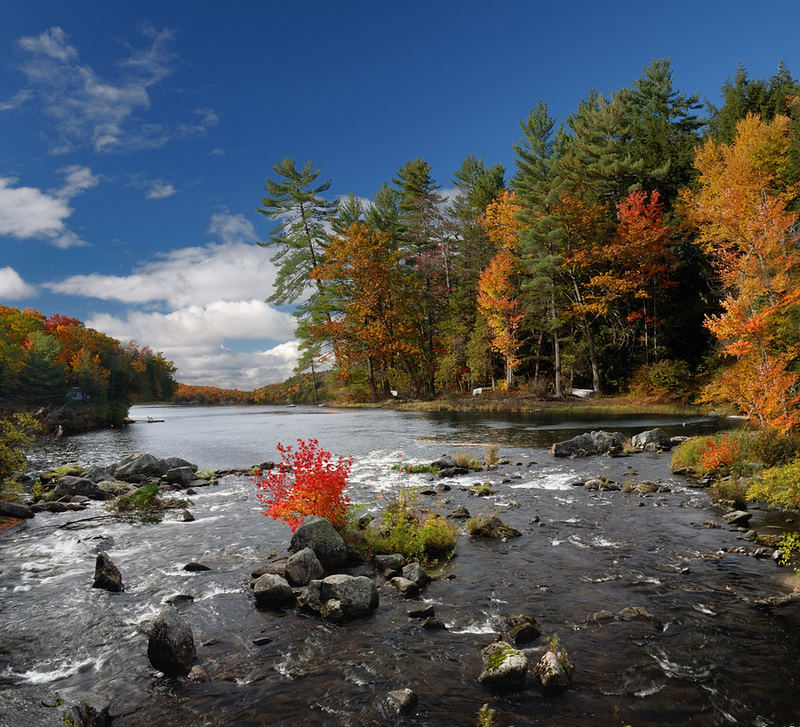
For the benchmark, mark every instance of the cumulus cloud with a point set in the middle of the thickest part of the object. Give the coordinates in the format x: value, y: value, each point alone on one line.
x: 12, y: 286
x: 28, y: 212
x: 194, y: 338
x: 191, y: 275
x: 103, y: 111
x: 232, y: 228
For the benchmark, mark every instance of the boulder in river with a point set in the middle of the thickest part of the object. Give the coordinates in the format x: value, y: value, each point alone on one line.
x: 416, y: 573
x: 490, y: 527
x: 302, y: 567
x: 170, y: 646
x: 319, y: 535
x: 340, y: 597
x: 69, y: 486
x: 590, y: 443
x: 521, y: 629
x: 737, y: 517
x: 504, y: 667
x: 137, y: 465
x: 33, y: 706
x: 408, y: 588
x: 554, y: 671
x: 173, y: 462
x: 653, y: 440
x: 181, y: 476
x: 106, y: 574
x: 401, y: 701
x: 445, y: 462
x: 272, y: 591
x: 16, y: 509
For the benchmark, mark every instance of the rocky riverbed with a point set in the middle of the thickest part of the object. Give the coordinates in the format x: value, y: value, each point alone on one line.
x: 667, y: 612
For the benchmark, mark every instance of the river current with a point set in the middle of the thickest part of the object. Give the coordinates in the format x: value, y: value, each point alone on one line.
x: 707, y: 658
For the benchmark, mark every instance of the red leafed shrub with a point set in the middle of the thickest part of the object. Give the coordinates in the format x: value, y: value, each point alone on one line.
x: 305, y: 482
x: 719, y: 455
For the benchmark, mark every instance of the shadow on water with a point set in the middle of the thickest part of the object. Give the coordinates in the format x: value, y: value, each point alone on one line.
x: 705, y: 658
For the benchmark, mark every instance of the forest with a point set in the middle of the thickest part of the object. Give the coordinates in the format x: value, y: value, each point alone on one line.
x: 650, y: 242
x: 57, y: 363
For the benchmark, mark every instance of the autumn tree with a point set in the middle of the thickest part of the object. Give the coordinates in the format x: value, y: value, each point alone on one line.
x: 374, y: 308
x: 741, y: 210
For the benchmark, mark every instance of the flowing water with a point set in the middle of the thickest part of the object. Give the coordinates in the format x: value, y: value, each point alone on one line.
x: 710, y: 659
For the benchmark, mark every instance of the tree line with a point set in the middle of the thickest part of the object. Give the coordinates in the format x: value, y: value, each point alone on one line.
x: 649, y: 238
x: 56, y: 360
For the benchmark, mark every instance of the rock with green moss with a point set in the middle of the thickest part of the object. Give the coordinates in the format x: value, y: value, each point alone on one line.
x: 504, y: 667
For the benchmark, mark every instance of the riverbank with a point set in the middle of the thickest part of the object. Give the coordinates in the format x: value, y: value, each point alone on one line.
x: 516, y: 403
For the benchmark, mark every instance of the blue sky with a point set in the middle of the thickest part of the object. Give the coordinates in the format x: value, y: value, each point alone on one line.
x: 135, y: 137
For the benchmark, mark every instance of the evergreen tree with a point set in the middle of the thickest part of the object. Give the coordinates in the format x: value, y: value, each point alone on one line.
x: 300, y: 237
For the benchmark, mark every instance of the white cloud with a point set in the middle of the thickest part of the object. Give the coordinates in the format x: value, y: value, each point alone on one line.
x: 232, y: 228
x: 28, y: 212
x: 194, y: 338
x: 12, y: 286
x: 77, y: 180
x: 192, y: 275
x: 101, y: 110
x: 159, y: 189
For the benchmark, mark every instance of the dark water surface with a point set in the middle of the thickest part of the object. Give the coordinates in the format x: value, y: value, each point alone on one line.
x: 712, y: 660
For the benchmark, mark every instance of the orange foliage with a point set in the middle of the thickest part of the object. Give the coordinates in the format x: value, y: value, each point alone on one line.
x: 741, y: 210
x: 500, y: 221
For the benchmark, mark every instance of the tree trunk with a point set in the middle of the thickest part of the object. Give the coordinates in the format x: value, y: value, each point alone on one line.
x: 589, y: 339
x: 556, y: 350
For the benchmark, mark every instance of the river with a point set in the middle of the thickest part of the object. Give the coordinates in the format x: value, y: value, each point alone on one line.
x: 711, y: 659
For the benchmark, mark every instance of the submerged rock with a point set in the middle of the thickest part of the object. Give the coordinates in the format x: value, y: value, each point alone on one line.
x: 737, y: 517
x: 492, y: 527
x: 319, y: 535
x: 504, y: 668
x: 170, y: 647
x: 106, y: 574
x: 521, y: 629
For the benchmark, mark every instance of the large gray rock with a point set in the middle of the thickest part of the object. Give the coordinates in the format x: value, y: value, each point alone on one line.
x: 340, y: 597
x: 589, y: 443
x: 737, y: 517
x: 408, y: 588
x: 15, y: 509
x: 401, y: 701
x: 445, y: 462
x: 33, y: 706
x: 69, y: 486
x: 136, y: 465
x: 96, y: 473
x: 181, y: 476
x: 416, y: 573
x: 302, y: 567
x: 172, y: 462
x: 653, y: 440
x: 521, y: 629
x: 272, y: 591
x: 106, y: 574
x: 319, y: 535
x: 170, y: 646
x: 504, y: 668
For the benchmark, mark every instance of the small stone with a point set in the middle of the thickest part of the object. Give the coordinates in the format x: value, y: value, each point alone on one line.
x: 198, y: 674
x: 187, y: 516
x: 426, y: 612
x: 106, y: 574
x: 262, y: 641
x: 433, y: 624
x: 401, y: 701
x: 407, y: 587
x: 195, y: 567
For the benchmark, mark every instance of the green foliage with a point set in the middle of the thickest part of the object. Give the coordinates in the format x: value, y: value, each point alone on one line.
x: 17, y: 433
x: 730, y: 490
x: 789, y: 547
x: 485, y: 717
x: 554, y: 646
x: 416, y: 469
x: 417, y: 534
x: 664, y: 380
x: 145, y: 500
x: 779, y: 486
x: 492, y: 455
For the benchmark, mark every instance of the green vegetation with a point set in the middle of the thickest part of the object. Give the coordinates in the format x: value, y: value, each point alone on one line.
x: 486, y: 717
x: 416, y: 469
x: 492, y: 455
x: 146, y: 500
x: 779, y: 486
x: 17, y: 433
x: 403, y: 527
